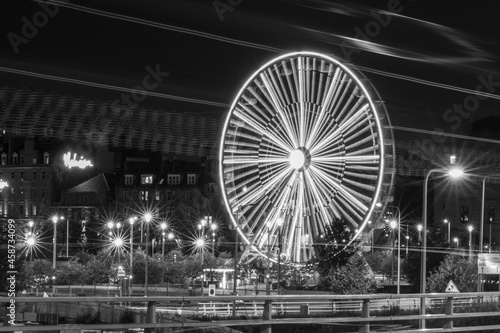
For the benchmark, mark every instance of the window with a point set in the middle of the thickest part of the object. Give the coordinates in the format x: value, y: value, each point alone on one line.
x: 129, y: 179
x: 144, y: 195
x: 21, y: 175
x: 186, y: 212
x: 33, y: 192
x: 191, y: 179
x: 464, y: 214
x: 146, y: 179
x: 169, y: 195
x: 34, y: 159
x: 34, y: 175
x: 22, y: 159
x: 15, y: 159
x: 33, y: 209
x: 157, y: 195
x: 188, y: 196
x: 21, y: 192
x: 174, y: 179
x: 12, y: 192
x: 42, y: 193
x: 43, y: 174
x: 21, y: 210
x: 45, y: 158
x: 126, y: 195
x: 4, y: 158
x: 12, y: 175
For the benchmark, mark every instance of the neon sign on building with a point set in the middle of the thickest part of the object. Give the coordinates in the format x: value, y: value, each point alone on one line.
x: 73, y: 162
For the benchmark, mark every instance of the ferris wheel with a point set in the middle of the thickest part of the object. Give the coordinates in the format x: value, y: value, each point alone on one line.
x: 305, y: 144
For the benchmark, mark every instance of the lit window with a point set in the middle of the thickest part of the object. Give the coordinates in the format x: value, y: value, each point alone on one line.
x: 157, y: 195
x: 33, y: 209
x: 129, y: 179
x: 191, y: 179
x: 45, y: 158
x: 4, y: 158
x: 146, y: 179
x: 34, y: 159
x: 174, y: 179
x: 144, y: 195
x: 21, y: 175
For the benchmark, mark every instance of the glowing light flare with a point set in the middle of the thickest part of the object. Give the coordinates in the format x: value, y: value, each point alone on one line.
x: 73, y: 162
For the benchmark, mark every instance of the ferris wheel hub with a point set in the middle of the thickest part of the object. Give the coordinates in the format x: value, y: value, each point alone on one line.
x: 300, y: 158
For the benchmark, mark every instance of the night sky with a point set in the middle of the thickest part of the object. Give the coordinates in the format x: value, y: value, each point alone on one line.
x: 424, y: 57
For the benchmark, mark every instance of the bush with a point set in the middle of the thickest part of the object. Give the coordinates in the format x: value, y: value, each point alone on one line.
x: 127, y: 316
x: 88, y: 316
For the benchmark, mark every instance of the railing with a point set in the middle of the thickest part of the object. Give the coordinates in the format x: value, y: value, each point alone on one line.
x: 364, y: 310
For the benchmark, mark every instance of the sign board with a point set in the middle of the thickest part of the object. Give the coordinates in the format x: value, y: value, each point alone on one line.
x: 451, y: 288
x: 211, y: 290
x: 488, y: 263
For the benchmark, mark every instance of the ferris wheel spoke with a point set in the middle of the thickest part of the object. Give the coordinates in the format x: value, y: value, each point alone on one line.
x: 261, y: 130
x: 273, y: 97
x: 349, y: 122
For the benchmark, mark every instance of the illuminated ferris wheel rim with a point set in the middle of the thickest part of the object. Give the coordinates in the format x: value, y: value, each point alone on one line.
x: 297, y: 152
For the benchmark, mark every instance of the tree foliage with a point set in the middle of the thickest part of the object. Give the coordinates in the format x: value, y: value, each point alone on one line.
x: 460, y: 270
x: 71, y: 272
x: 334, y: 248
x: 355, y: 277
x: 35, y: 273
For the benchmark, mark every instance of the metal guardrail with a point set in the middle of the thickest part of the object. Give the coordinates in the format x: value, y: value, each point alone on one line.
x: 364, y: 319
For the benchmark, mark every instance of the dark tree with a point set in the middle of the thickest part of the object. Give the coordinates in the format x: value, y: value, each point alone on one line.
x: 334, y: 248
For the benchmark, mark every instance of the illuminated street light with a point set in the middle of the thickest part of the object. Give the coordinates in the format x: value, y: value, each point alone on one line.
x: 419, y: 228
x: 163, y: 226
x: 131, y: 220
x: 449, y: 226
x: 454, y: 172
x: 470, y: 228
x: 147, y: 218
x: 55, y: 219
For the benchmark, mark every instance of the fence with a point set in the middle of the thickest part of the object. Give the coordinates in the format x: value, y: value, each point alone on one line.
x: 362, y: 310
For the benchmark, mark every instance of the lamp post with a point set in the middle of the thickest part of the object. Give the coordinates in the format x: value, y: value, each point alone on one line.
x: 449, y: 227
x: 55, y: 218
x: 470, y: 228
x: 419, y: 229
x: 147, y: 219
x: 131, y: 220
x: 268, y: 287
x: 393, y: 224
x: 163, y: 226
x: 455, y: 172
x: 213, y: 227
x: 396, y: 224
x: 280, y: 223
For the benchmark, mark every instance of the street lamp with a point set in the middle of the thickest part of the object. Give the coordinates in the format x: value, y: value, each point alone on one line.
x: 470, y: 228
x: 419, y: 228
x: 454, y: 173
x: 280, y: 223
x: 131, y: 220
x: 163, y: 226
x: 268, y: 287
x: 449, y: 227
x: 55, y: 218
x: 147, y: 219
x: 213, y: 226
x: 396, y: 224
x: 393, y: 224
